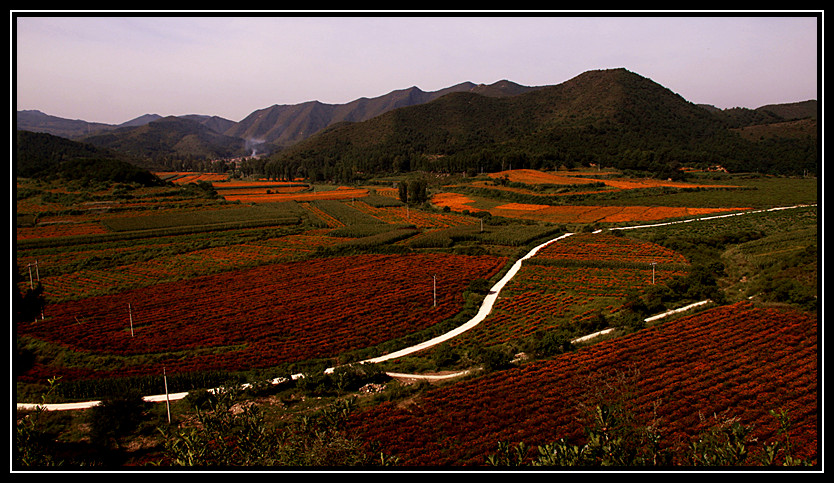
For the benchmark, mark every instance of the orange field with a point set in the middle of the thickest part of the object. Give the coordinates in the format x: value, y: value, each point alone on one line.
x: 576, y: 213
x: 59, y: 230
x: 188, y: 177
x: 532, y: 176
x: 455, y: 201
x: 341, y: 193
x: 600, y: 214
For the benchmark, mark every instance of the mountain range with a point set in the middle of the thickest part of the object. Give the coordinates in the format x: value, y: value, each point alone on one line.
x: 271, y: 127
x: 599, y: 115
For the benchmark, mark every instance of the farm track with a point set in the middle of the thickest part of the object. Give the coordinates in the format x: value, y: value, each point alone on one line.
x: 486, y: 308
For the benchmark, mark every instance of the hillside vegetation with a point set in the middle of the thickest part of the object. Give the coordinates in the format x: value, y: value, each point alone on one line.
x: 611, y: 118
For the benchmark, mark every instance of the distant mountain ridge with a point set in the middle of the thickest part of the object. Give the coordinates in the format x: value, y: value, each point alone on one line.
x: 284, y: 125
x: 278, y: 125
x: 610, y: 113
x: 170, y: 137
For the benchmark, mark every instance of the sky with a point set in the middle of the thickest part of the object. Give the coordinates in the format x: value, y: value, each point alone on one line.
x: 107, y: 68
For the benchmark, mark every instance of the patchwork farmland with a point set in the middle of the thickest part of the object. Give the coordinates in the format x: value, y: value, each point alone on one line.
x: 211, y: 279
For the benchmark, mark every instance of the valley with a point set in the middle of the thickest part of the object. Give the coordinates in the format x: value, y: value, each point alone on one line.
x: 288, y: 275
x: 210, y: 279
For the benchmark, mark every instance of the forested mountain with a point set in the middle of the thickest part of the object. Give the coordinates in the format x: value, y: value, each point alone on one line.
x: 609, y: 117
x: 773, y: 113
x: 284, y: 125
x: 41, y: 155
x: 37, y: 121
x: 267, y: 129
x: 613, y: 118
x: 170, y: 137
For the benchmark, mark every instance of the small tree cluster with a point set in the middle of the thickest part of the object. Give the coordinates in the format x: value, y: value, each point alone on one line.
x: 414, y: 191
x: 230, y: 433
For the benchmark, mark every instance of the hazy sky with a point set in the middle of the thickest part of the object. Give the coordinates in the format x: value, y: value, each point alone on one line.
x: 112, y: 69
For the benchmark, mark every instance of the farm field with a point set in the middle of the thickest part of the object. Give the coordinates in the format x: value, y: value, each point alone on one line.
x: 263, y: 317
x: 570, y: 285
x: 734, y: 360
x: 223, y: 277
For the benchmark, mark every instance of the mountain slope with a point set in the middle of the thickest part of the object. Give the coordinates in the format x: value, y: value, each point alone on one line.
x: 170, y: 136
x: 37, y: 121
x: 284, y: 125
x: 613, y: 117
x: 43, y: 155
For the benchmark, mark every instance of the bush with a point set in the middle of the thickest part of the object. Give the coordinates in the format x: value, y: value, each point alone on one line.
x: 549, y: 343
x: 492, y: 358
x: 224, y: 437
x: 115, y: 418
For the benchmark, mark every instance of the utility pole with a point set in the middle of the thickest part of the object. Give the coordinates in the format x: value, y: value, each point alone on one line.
x: 434, y: 289
x: 130, y: 313
x: 167, y: 400
x: 653, y: 264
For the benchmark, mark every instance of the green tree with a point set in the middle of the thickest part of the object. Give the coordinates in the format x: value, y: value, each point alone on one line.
x: 402, y: 191
x: 546, y: 343
x: 33, y: 445
x: 492, y: 358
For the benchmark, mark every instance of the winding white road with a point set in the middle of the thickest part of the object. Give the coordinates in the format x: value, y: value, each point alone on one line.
x: 486, y: 308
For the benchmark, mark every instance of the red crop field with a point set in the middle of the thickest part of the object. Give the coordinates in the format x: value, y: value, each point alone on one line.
x: 596, y: 275
x: 421, y: 219
x: 259, y: 317
x: 609, y: 248
x: 736, y: 360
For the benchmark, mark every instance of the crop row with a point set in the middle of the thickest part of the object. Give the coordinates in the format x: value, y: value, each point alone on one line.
x: 733, y: 360
x: 342, y: 193
x: 326, y: 218
x: 399, y: 214
x: 548, y: 297
x: 59, y: 230
x: 191, y: 177
x: 346, y: 214
x: 183, y: 262
x: 599, y: 214
x: 572, y: 281
x: 273, y: 314
x: 604, y: 247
